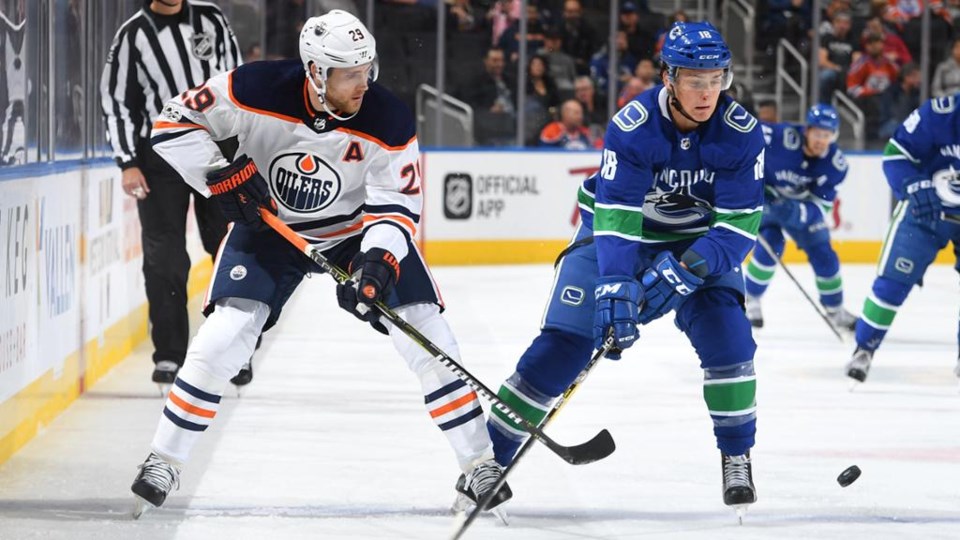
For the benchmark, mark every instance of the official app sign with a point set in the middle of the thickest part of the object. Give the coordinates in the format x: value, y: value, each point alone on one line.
x: 457, y: 196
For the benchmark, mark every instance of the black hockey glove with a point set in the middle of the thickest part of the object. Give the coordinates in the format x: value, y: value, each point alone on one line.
x: 374, y: 274
x: 240, y: 191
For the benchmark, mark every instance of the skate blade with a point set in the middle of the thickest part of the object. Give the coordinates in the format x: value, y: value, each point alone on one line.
x: 501, y: 515
x: 741, y: 510
x: 141, y: 506
x: 164, y: 389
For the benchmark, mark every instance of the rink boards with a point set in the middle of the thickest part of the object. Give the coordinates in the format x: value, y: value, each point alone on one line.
x: 73, y: 301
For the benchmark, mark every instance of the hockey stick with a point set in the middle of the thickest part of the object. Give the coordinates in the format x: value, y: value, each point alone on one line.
x: 769, y: 250
x: 597, y: 448
x: 561, y: 401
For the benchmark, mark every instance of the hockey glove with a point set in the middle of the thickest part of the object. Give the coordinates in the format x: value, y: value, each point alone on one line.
x: 240, y: 191
x: 793, y: 214
x: 374, y: 275
x: 665, y: 285
x: 618, y: 304
x: 924, y: 203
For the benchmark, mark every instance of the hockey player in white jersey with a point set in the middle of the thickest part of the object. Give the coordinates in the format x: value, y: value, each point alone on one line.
x: 335, y: 155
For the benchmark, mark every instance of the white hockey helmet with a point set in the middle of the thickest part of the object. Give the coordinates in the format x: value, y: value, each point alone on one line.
x: 337, y: 39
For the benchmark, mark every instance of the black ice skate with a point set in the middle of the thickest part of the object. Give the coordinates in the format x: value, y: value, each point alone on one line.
x: 738, y: 489
x: 754, y: 313
x: 164, y: 373
x: 245, y: 375
x: 473, y: 487
x: 841, y: 319
x: 859, y: 365
x: 156, y: 479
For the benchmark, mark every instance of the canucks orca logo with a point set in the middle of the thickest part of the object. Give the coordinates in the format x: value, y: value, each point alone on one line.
x: 675, y: 207
x: 303, y: 182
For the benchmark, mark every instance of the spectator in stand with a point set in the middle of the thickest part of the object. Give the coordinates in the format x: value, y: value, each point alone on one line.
x: 492, y: 94
x: 631, y: 89
x: 510, y: 39
x: 946, y: 80
x: 837, y: 54
x: 647, y: 73
x: 501, y: 15
x: 905, y: 98
x: 562, y: 68
x: 869, y: 83
x: 569, y: 132
x: 600, y: 65
x: 463, y: 17
x: 826, y: 20
x: 767, y: 111
x: 579, y: 38
x: 594, y: 107
x: 893, y: 46
x: 639, y: 41
x: 542, y: 98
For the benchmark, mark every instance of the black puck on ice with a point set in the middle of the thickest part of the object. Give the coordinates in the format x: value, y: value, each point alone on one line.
x: 849, y: 476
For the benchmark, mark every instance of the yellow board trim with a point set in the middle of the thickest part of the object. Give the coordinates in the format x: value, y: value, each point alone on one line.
x: 30, y: 410
x: 447, y: 252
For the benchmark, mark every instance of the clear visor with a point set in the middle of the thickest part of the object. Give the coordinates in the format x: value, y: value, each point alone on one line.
x: 699, y: 81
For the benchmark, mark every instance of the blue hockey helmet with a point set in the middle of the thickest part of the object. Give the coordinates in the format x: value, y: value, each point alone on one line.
x: 696, y: 45
x: 823, y: 116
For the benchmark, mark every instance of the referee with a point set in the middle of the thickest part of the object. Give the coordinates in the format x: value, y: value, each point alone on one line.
x: 168, y: 47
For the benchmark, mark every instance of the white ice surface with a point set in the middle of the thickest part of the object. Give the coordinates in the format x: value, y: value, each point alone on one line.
x: 331, y: 440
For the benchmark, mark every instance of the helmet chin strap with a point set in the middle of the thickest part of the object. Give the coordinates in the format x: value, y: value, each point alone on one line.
x: 675, y: 103
x: 322, y: 96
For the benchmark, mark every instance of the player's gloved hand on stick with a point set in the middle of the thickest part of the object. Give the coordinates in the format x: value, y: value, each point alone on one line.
x: 374, y: 274
x: 924, y: 203
x: 791, y: 213
x: 665, y: 284
x: 618, y: 303
x: 241, y: 191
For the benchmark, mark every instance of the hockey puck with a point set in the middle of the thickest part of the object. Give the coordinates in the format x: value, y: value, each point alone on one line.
x: 849, y: 476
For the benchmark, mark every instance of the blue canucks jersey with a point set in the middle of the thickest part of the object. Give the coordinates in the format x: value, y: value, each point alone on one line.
x: 657, y: 184
x: 927, y: 146
x: 790, y: 174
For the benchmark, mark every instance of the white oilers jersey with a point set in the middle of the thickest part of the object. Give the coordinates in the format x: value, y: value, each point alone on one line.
x: 331, y: 179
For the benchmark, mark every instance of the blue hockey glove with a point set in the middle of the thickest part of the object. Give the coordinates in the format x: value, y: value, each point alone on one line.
x: 924, y: 203
x: 618, y: 303
x: 241, y: 191
x: 665, y: 285
x: 374, y: 275
x: 792, y: 214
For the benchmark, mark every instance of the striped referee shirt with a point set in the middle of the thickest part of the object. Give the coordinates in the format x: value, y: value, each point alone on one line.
x: 155, y: 57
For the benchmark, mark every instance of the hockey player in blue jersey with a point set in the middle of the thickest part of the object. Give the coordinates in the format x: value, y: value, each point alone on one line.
x: 666, y: 224
x: 802, y: 170
x: 922, y: 165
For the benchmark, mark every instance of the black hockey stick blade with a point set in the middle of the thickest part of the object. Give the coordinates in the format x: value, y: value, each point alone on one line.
x: 597, y: 448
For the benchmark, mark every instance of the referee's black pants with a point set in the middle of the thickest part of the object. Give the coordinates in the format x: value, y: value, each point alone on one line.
x: 166, y: 265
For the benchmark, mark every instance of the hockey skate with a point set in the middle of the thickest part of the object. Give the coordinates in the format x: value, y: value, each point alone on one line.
x: 164, y: 373
x: 473, y: 487
x: 243, y: 377
x: 859, y: 365
x: 841, y: 319
x: 754, y: 314
x: 156, y: 479
x: 738, y: 489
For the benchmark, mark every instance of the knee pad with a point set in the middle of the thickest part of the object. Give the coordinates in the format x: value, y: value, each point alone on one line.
x: 554, y: 360
x: 427, y: 320
x: 823, y: 259
x: 228, y: 337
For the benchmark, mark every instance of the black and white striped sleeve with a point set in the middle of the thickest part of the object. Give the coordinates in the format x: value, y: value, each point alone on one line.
x: 121, y: 97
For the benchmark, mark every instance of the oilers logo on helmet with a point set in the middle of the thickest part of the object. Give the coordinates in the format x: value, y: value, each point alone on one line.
x: 303, y: 182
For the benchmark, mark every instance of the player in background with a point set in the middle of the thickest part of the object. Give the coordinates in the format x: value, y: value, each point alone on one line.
x: 921, y: 162
x: 335, y: 155
x: 802, y: 170
x: 666, y: 224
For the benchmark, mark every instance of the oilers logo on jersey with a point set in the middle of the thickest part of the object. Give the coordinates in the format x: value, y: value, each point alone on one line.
x: 303, y: 182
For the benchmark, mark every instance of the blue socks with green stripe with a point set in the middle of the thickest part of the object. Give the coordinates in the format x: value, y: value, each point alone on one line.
x: 879, y: 310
